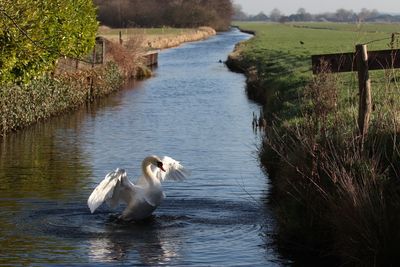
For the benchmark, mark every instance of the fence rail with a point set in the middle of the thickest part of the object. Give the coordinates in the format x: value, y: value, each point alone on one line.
x: 361, y: 61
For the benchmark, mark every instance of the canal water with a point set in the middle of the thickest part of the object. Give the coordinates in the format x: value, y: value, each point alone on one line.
x: 194, y: 110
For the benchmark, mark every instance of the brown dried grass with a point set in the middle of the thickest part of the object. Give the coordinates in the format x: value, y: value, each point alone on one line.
x: 332, y: 198
x: 128, y: 55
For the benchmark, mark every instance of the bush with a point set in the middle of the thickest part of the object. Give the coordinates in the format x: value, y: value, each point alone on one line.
x: 129, y: 57
x: 22, y: 105
x: 33, y: 35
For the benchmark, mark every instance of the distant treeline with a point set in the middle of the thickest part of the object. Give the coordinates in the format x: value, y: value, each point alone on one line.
x: 341, y: 15
x: 174, y: 13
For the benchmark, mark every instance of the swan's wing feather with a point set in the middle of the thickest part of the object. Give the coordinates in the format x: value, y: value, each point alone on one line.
x: 114, y: 188
x: 173, y: 170
x: 121, y: 193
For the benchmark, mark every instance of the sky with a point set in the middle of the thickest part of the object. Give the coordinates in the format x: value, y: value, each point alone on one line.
x: 287, y: 7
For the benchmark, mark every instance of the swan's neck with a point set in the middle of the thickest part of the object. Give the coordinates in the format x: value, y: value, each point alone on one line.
x: 147, y: 172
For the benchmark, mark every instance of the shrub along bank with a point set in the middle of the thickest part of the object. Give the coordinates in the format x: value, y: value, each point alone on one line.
x: 22, y: 105
x: 68, y: 87
x: 334, y: 201
x: 41, y: 43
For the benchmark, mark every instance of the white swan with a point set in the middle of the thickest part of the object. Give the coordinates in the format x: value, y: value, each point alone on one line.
x: 141, y: 198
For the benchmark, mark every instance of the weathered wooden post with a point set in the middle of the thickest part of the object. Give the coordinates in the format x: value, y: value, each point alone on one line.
x: 91, y: 77
x: 102, y: 45
x: 364, y: 85
x: 94, y: 55
x: 120, y: 37
x: 103, y: 54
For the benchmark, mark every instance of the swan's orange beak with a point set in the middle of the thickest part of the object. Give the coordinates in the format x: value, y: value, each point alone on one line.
x: 160, y: 165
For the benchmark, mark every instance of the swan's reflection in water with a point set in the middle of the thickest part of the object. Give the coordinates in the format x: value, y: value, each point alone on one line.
x: 149, y: 242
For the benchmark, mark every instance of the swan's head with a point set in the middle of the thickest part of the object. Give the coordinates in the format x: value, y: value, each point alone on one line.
x: 160, y: 165
x: 156, y: 161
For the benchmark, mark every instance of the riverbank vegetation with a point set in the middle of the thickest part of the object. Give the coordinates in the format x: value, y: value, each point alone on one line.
x: 22, y: 105
x: 46, y: 60
x: 34, y: 35
x: 335, y: 199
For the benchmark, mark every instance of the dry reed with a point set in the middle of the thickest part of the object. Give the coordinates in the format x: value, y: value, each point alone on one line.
x: 331, y: 197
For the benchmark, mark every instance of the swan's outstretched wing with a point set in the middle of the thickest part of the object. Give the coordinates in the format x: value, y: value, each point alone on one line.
x: 173, y: 170
x: 114, y: 188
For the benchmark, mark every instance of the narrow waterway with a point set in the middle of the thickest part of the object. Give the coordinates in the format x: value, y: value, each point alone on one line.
x: 194, y: 110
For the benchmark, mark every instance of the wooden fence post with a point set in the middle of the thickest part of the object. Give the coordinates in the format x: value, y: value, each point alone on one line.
x: 103, y: 50
x: 364, y: 83
x: 94, y: 55
x: 361, y: 61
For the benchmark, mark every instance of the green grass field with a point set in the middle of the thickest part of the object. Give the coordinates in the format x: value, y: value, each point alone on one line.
x: 282, y: 52
x: 318, y: 37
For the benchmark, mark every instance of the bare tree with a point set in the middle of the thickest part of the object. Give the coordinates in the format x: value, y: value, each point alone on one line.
x: 344, y: 15
x: 275, y: 14
x: 301, y: 11
x: 238, y: 13
x: 365, y: 14
x: 178, y: 13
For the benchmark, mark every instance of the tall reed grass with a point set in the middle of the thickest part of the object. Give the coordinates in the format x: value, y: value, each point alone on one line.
x: 333, y: 198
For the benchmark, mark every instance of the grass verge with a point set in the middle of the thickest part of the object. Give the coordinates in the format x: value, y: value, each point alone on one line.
x: 157, y: 38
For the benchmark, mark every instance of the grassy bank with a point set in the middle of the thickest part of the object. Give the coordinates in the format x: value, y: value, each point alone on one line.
x: 279, y: 56
x: 157, y: 38
x: 334, y: 201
